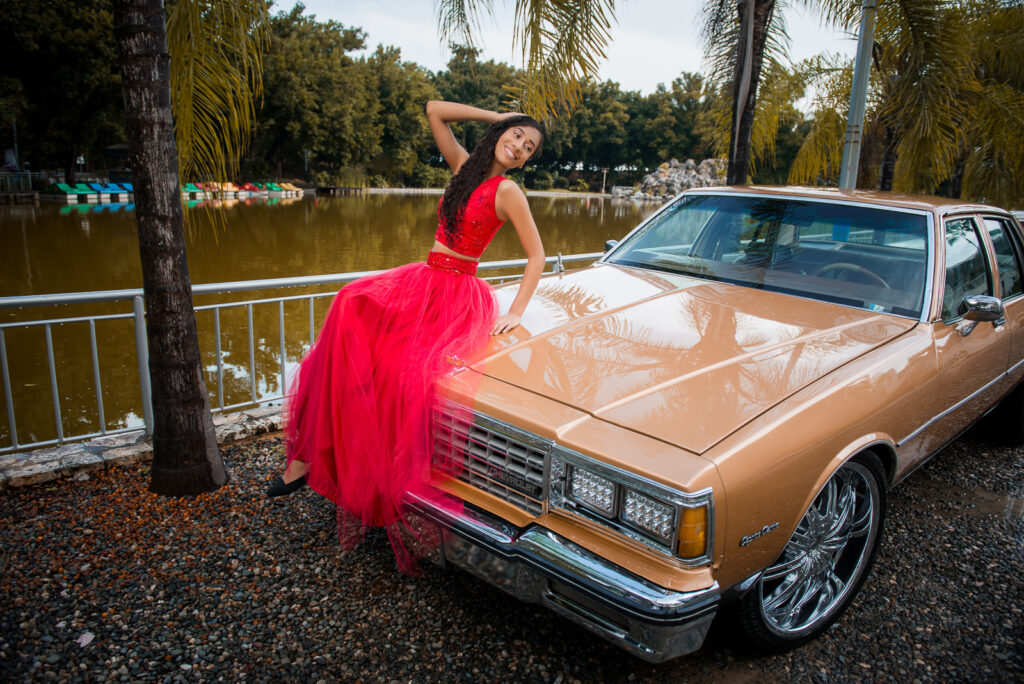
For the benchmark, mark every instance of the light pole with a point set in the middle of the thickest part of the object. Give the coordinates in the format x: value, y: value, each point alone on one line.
x: 858, y: 97
x: 604, y: 176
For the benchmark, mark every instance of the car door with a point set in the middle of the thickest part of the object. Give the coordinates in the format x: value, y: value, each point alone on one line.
x: 972, y: 366
x: 1008, y: 250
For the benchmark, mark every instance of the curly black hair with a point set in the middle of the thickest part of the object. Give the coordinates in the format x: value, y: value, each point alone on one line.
x: 474, y: 171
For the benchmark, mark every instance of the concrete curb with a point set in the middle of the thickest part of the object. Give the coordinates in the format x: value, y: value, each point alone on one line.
x: 77, y: 458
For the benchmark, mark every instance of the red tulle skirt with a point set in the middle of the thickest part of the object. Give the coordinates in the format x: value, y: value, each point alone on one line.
x: 359, y: 408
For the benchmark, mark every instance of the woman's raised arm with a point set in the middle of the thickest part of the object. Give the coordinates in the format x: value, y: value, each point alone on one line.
x: 440, y: 114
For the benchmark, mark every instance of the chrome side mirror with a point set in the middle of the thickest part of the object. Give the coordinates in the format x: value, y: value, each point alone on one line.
x: 979, y: 308
x: 609, y: 244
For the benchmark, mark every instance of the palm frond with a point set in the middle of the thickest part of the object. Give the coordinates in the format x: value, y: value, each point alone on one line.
x: 777, y: 86
x: 994, y: 170
x: 563, y: 43
x: 459, y: 20
x: 216, y: 80
x: 821, y: 153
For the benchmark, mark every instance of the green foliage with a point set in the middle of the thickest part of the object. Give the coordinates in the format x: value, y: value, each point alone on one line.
x: 480, y: 84
x: 319, y: 100
x: 426, y: 176
x: 216, y: 81
x: 543, y: 180
x: 402, y: 90
x: 61, y: 84
x: 562, y: 43
x: 946, y: 94
x: 580, y: 186
x: 345, y: 177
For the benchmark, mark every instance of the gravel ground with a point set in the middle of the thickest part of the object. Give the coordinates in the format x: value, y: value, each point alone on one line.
x: 102, y: 580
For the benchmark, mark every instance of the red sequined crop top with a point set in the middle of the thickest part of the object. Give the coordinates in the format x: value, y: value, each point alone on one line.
x: 479, y: 221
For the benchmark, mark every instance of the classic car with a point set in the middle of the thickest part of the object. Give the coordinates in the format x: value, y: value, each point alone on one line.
x: 710, y: 417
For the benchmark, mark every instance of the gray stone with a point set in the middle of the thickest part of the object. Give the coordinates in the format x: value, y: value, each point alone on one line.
x: 31, y: 473
x: 128, y: 455
x: 83, y: 462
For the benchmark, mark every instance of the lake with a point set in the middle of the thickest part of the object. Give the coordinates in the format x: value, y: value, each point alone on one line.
x: 59, y: 249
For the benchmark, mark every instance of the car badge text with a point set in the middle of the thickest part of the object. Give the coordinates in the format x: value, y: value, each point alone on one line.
x: 760, y: 533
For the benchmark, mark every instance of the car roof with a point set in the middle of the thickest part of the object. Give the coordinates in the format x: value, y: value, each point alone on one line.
x: 941, y: 205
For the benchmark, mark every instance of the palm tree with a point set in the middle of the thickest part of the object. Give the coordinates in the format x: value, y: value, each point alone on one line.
x: 946, y: 93
x: 737, y: 36
x: 212, y: 117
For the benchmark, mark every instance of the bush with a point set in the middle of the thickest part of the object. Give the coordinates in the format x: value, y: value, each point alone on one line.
x: 345, y: 177
x: 561, y: 182
x: 426, y: 176
x: 543, y: 180
x: 581, y: 186
x: 377, y: 181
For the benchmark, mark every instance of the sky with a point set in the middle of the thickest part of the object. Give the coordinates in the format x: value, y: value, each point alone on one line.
x: 653, y: 42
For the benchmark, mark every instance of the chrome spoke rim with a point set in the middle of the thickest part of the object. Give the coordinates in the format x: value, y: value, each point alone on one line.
x: 825, y: 556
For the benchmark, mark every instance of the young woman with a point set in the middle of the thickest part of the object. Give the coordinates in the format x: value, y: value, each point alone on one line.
x: 358, y: 415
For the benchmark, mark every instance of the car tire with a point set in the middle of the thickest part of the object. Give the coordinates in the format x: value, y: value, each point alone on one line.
x: 824, y: 563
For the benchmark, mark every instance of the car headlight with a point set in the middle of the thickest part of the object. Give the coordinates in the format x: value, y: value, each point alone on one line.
x: 592, y: 490
x: 673, y: 522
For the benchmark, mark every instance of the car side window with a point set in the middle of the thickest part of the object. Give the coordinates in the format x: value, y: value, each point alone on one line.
x: 966, y: 267
x: 1008, y: 257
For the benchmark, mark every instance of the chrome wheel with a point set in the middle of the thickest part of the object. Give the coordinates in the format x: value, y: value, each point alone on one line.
x: 824, y: 562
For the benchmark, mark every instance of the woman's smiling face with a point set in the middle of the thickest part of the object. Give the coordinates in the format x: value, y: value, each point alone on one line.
x: 516, y: 145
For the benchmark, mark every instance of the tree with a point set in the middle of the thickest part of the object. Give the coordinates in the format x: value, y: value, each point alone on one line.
x: 737, y: 35
x: 476, y: 83
x: 946, y: 92
x: 77, y: 105
x: 319, y: 99
x: 401, y: 88
x: 185, y: 455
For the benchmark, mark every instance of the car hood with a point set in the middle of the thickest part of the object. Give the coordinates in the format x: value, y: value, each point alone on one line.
x: 685, y: 360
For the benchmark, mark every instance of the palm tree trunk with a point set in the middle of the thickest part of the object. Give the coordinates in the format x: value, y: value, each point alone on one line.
x: 956, y: 181
x: 185, y: 456
x: 888, y: 159
x: 754, y: 16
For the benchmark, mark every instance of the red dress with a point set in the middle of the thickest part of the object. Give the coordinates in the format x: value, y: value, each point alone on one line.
x: 358, y: 410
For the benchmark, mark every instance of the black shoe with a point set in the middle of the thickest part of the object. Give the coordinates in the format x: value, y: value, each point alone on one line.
x: 280, y: 488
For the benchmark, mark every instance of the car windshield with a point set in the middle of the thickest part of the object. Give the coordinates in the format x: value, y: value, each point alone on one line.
x: 868, y: 257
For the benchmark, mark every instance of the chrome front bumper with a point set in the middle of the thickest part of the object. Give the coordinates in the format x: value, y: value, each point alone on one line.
x: 538, y: 566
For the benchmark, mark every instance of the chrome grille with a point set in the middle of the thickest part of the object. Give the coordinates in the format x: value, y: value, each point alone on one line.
x: 492, y: 456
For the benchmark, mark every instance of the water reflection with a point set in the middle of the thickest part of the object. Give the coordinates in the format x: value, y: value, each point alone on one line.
x: 55, y: 249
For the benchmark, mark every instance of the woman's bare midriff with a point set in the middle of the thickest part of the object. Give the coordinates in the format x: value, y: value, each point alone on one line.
x: 439, y: 247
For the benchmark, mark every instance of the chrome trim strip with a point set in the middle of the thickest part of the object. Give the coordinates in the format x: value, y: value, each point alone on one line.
x: 931, y: 251
x: 569, y: 562
x: 660, y: 623
x: 960, y: 403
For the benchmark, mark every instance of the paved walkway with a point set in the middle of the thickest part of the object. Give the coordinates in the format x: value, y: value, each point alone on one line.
x: 74, y: 458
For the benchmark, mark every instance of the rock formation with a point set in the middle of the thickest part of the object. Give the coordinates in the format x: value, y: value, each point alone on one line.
x: 672, y: 177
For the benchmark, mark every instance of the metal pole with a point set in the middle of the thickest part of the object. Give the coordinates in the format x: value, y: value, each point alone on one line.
x: 858, y: 97
x: 8, y: 397
x: 142, y: 358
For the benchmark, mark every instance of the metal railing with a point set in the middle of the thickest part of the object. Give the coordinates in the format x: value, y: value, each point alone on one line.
x: 20, y: 180
x: 138, y: 323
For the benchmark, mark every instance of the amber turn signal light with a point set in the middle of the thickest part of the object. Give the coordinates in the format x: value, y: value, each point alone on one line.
x: 693, y: 532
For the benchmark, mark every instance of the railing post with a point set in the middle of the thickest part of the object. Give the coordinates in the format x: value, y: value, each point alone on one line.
x: 8, y: 397
x: 142, y: 356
